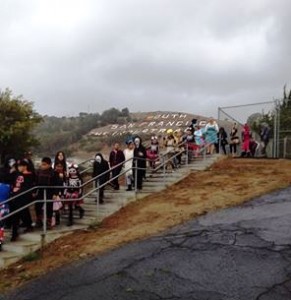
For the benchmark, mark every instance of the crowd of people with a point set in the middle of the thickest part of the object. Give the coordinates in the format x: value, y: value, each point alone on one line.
x: 18, y: 176
x: 55, y: 180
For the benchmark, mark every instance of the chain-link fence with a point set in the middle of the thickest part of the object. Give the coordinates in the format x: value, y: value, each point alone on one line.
x: 285, y: 147
x: 257, y: 115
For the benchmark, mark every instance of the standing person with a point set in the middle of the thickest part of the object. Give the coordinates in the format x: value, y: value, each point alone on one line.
x: 170, y: 145
x: 222, y: 139
x: 74, y: 191
x: 45, y: 176
x: 61, y: 158
x: 4, y: 209
x: 179, y: 146
x: 8, y: 175
x: 129, y: 154
x: 234, y: 140
x: 28, y: 157
x: 61, y: 180
x: 153, y: 151
x: 246, y: 136
x: 198, y: 135
x: 254, y: 147
x: 139, y: 161
x: 116, y: 157
x: 8, y: 171
x: 265, y: 136
x: 100, y: 166
x: 25, y: 180
x: 211, y: 130
x: 189, y: 140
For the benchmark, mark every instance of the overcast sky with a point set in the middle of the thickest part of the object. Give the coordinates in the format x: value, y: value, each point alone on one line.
x: 71, y: 56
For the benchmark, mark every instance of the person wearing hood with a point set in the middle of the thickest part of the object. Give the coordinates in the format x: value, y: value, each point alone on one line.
x: 246, y: 136
x: 100, y: 166
x: 116, y: 158
x: 265, y: 136
x: 9, y: 171
x: 24, y: 181
x: 139, y: 161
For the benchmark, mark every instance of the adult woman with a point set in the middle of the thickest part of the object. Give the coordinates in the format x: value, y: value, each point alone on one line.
x: 234, y: 140
x: 246, y: 135
x: 60, y: 158
x: 222, y: 135
x: 211, y: 130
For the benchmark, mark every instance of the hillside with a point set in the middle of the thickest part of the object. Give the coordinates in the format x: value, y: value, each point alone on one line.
x: 86, y: 134
x: 144, y: 124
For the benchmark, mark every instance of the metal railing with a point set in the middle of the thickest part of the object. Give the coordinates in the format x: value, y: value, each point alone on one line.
x: 163, y: 158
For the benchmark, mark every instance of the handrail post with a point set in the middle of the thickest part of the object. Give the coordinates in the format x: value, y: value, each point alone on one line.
x: 135, y: 177
x: 43, y: 236
x: 164, y: 171
x: 96, y: 184
x: 187, y: 154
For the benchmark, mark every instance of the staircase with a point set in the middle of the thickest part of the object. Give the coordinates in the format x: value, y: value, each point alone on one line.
x: 114, y: 200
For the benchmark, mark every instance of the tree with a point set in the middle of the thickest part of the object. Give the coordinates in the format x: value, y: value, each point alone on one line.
x: 110, y: 116
x: 285, y: 113
x: 17, y: 120
x: 254, y: 120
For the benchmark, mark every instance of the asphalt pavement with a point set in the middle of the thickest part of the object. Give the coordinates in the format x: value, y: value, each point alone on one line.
x: 237, y: 253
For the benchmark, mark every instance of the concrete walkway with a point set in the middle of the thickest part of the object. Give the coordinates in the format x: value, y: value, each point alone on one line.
x: 114, y: 200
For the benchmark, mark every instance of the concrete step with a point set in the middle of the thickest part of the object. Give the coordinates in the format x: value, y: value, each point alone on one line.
x: 21, y: 246
x: 8, y: 258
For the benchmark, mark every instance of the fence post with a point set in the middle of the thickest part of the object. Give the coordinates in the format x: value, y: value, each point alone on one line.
x: 43, y: 236
x: 285, y: 147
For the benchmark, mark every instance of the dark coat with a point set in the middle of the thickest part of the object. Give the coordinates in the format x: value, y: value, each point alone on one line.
x: 140, y: 156
x: 47, y: 178
x: 116, y: 157
x: 23, y: 182
x: 99, y: 168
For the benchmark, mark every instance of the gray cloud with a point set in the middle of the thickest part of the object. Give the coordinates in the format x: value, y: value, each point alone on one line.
x: 73, y: 56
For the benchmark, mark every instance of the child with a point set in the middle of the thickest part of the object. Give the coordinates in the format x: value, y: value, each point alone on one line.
x: 61, y: 181
x: 25, y: 180
x: 61, y: 158
x: 153, y: 151
x: 45, y: 176
x: 4, y: 195
x: 74, y: 191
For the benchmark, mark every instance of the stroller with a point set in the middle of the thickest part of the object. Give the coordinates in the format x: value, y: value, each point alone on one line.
x: 4, y: 210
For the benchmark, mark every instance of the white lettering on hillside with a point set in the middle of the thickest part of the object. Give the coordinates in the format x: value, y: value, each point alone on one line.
x: 153, y: 124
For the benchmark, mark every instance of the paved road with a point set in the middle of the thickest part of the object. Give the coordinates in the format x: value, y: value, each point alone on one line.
x: 239, y: 253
